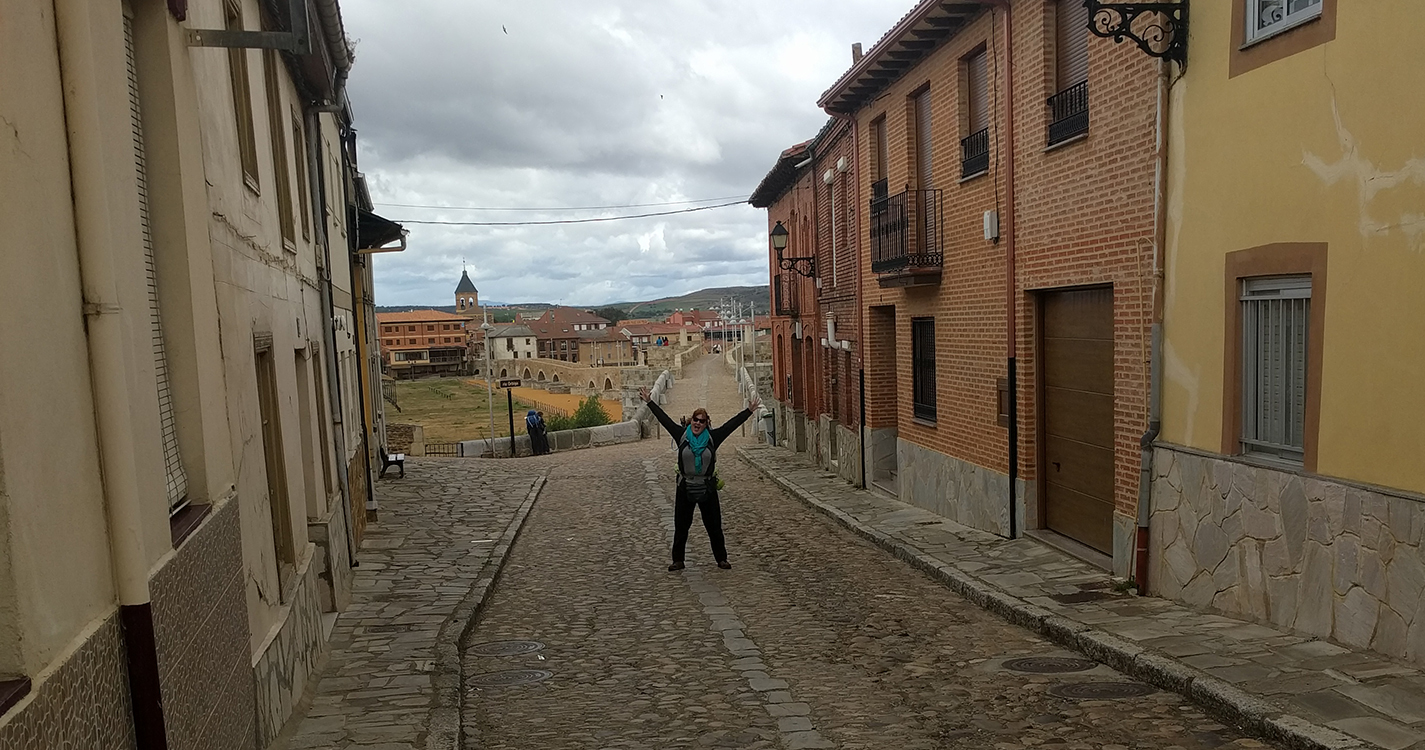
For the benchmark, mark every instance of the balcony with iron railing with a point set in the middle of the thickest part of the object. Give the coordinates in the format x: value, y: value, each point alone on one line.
x: 907, y: 236
x: 975, y: 153
x: 1069, y: 113
x: 785, y: 300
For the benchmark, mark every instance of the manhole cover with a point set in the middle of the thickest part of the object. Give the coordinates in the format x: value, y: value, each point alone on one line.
x: 510, y: 678
x: 1100, y: 691
x: 1049, y: 664
x: 506, y: 648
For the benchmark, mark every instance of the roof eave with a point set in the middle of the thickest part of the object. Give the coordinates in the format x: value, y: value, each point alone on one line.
x: 919, y: 18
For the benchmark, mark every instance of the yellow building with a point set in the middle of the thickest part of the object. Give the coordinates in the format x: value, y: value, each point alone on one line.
x: 1289, y: 472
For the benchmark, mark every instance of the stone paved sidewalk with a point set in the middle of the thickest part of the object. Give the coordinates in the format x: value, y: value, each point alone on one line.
x: 1291, y: 689
x: 391, y: 680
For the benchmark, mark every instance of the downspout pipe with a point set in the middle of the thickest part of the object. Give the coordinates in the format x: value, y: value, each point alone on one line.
x: 1011, y: 310
x: 348, y: 167
x: 79, y: 26
x: 855, y: 214
x: 316, y: 177
x: 1155, y: 356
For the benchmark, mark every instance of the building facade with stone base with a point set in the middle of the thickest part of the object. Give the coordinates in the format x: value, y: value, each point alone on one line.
x: 172, y: 517
x: 1288, y: 480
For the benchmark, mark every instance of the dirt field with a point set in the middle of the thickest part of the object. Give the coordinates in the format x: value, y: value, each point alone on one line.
x: 453, y: 409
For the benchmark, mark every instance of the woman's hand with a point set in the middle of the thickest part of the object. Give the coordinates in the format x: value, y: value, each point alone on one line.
x: 644, y: 394
x: 753, y: 403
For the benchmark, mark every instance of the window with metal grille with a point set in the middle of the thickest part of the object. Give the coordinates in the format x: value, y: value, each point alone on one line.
x: 1268, y: 17
x: 975, y: 146
x: 1069, y: 106
x: 175, y: 478
x: 1275, y: 320
x: 242, y: 96
x: 922, y: 355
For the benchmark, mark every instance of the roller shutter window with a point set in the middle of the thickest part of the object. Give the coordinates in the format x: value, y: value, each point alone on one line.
x: 978, y: 74
x: 1071, y: 43
x: 175, y: 478
x: 924, y: 148
x: 1276, y: 315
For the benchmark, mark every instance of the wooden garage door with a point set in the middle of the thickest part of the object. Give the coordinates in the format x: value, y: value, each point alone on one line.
x: 1078, y: 415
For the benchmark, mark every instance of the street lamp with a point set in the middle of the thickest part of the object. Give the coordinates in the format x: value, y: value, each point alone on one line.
x: 779, y: 238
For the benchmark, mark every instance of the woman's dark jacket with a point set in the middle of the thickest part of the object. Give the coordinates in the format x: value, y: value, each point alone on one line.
x: 719, y: 434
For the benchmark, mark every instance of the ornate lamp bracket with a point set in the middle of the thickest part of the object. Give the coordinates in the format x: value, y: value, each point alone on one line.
x: 1159, y: 29
x: 803, y: 266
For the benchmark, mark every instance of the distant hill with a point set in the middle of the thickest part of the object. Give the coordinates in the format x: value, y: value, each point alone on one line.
x: 703, y: 299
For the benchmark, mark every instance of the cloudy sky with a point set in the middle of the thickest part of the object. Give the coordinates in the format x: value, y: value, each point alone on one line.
x: 564, y: 104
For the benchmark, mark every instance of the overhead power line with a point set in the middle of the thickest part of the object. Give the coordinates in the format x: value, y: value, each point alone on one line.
x: 563, y: 208
x: 565, y: 221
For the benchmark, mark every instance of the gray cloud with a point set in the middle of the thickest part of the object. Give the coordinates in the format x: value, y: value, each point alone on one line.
x: 548, y: 103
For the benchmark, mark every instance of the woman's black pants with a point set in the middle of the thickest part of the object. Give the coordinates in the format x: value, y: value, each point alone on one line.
x: 707, y: 504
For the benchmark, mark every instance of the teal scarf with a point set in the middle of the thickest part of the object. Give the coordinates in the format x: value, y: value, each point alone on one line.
x: 697, y: 443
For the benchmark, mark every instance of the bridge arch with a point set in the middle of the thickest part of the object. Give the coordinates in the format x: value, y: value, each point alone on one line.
x: 608, y: 384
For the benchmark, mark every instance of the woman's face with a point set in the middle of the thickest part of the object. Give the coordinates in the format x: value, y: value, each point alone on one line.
x: 699, y: 423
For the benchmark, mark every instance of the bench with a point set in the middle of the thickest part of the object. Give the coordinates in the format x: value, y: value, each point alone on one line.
x: 392, y: 459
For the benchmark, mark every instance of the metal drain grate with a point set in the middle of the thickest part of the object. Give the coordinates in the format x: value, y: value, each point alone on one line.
x: 1100, y: 691
x: 506, y: 648
x: 1049, y: 664
x: 509, y: 678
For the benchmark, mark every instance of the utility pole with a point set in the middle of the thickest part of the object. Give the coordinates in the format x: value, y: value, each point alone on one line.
x: 489, y: 379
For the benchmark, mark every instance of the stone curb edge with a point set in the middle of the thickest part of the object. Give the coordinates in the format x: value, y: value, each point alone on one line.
x: 446, y: 728
x: 1219, y: 697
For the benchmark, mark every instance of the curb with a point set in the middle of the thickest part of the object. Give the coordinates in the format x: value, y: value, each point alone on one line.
x: 1218, y: 697
x: 446, y: 728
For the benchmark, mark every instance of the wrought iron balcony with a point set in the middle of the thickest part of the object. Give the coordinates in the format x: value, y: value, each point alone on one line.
x: 975, y: 153
x: 906, y: 238
x: 784, y: 293
x: 1069, y: 113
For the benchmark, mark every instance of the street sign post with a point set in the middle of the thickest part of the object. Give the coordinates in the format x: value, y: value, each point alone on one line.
x: 507, y: 384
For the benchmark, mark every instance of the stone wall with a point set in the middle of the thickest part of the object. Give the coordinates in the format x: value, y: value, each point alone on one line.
x: 84, y: 703
x: 287, y: 658
x: 201, y: 634
x: 1311, y: 554
x: 959, y: 490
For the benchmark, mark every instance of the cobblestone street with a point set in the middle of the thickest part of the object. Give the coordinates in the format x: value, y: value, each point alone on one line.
x: 814, y: 639
x: 389, y: 680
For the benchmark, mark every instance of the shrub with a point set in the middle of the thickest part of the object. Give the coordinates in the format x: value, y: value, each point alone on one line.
x: 557, y: 422
x: 590, y: 413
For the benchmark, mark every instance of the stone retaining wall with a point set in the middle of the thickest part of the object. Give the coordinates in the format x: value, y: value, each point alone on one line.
x: 640, y: 423
x: 1311, y: 554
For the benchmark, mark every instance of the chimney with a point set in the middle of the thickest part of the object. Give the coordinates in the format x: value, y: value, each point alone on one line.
x: 855, y: 53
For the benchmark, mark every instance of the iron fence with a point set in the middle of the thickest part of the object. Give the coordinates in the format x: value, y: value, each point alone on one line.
x: 443, y: 449
x: 975, y: 153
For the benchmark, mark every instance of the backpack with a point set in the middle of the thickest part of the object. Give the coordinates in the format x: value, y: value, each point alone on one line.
x: 678, y: 466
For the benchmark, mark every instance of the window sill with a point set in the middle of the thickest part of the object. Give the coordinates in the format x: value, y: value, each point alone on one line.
x: 183, y: 523
x: 251, y: 183
x: 1071, y: 140
x: 974, y: 176
x: 12, y: 692
x: 923, y: 422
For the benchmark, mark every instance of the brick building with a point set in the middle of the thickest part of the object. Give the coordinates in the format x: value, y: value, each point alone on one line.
x: 559, y: 330
x: 423, y: 342
x: 1004, y: 257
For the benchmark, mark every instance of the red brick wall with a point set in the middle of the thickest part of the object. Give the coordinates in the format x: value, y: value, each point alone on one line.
x: 1084, y: 216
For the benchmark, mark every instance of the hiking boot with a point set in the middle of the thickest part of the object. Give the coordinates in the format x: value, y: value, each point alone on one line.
x: 725, y: 565
x: 675, y: 567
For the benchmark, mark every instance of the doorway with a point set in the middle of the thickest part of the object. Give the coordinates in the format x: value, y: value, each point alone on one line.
x: 1076, y: 414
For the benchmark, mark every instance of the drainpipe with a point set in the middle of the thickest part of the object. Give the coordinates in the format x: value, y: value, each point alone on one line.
x: 860, y: 310
x: 1010, y: 296
x: 1155, y: 361
x: 79, y: 25
x: 316, y: 177
x: 348, y: 166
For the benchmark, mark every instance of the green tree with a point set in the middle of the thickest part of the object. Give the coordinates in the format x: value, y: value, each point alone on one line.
x: 612, y: 314
x: 590, y: 413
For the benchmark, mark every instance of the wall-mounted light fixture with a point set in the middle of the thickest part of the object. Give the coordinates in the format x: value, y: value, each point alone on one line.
x: 804, y: 266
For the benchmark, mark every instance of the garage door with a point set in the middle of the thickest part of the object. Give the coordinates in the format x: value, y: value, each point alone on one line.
x: 1078, y: 415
